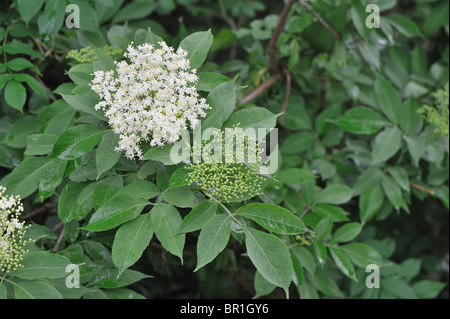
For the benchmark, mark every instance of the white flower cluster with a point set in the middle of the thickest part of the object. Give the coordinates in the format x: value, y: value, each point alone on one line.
x: 151, y: 98
x: 12, y: 232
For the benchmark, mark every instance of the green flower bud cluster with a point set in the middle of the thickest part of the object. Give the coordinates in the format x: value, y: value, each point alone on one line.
x: 12, y: 232
x: 87, y: 54
x: 305, y: 239
x: 438, y: 115
x: 230, y: 169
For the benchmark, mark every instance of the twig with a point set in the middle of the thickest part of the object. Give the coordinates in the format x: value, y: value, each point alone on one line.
x: 288, y: 94
x: 326, y: 25
x: 52, y: 97
x: 44, y: 208
x: 260, y: 89
x: 57, y: 227
x: 58, y: 242
x: 423, y: 189
x: 273, y: 48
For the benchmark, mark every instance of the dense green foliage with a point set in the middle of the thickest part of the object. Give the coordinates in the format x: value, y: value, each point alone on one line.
x: 363, y: 154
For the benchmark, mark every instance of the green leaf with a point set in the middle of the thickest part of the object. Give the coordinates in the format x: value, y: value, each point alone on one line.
x: 197, y: 45
x: 273, y: 217
x: 84, y: 103
x: 15, y: 95
x: 416, y: 147
x: 105, y: 189
x: 140, y: 189
x: 18, y: 132
x: 440, y: 19
x: 428, y: 288
x: 346, y: 233
x: 370, y: 203
x: 362, y: 255
x: 40, y: 144
x: 370, y: 178
x: 405, y: 26
x: 270, y: 256
x: 388, y: 99
x: 299, y: 274
x: 41, y: 264
x: 411, y: 121
x: 122, y: 293
x: 361, y: 120
x: 81, y: 74
x: 398, y: 288
x: 106, y: 156
x: 77, y: 141
x: 213, y: 239
x: 84, y: 204
x: 166, y: 221
x: 32, y: 83
x: 16, y: 47
x: 24, y: 179
x: 68, y: 200
x: 334, y: 213
x: 252, y: 117
x: 134, y: 11
x: 113, y: 278
x: 180, y: 197
x: 161, y: 154
x: 180, y: 177
x: 262, y: 286
x: 207, y: 81
x: 3, y: 292
x: 323, y: 228
x: 116, y: 211
x: 392, y: 191
x: 52, y: 179
x: 28, y: 9
x: 400, y: 176
x: 148, y: 36
x: 131, y: 240
x: 51, y: 21
x: 88, y: 16
x: 387, y: 144
x: 222, y: 100
x: 321, y: 252
x: 335, y: 194
x: 198, y: 217
x: 19, y: 64
x: 306, y: 258
x: 323, y: 282
x: 343, y: 262
x: 295, y: 176
x: 35, y: 289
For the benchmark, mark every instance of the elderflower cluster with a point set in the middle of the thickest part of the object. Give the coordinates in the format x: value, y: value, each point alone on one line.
x: 233, y: 174
x: 12, y: 232
x: 88, y: 54
x: 438, y: 114
x: 150, y: 98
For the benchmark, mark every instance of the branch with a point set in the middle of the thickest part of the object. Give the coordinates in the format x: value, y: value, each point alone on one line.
x: 260, y: 89
x: 58, y: 242
x: 326, y: 25
x: 273, y: 48
x: 44, y: 208
x: 423, y: 189
x: 288, y: 94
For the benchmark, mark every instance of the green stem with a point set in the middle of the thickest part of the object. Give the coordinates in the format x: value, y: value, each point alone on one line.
x: 5, y: 60
x: 226, y: 210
